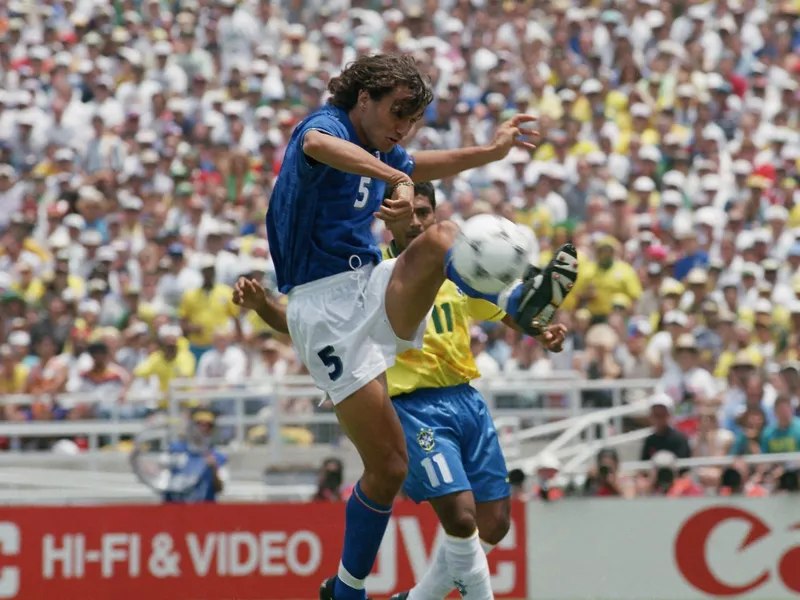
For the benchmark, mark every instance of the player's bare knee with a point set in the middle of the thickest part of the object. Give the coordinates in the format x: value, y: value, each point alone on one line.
x: 494, y: 531
x: 494, y: 524
x: 461, y: 522
x: 439, y: 239
x: 387, y: 476
x: 396, y: 470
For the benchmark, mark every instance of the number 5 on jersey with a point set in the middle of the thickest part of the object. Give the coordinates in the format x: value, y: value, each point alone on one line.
x: 334, y: 363
x: 363, y: 193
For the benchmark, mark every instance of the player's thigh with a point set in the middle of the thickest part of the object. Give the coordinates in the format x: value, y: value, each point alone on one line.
x: 434, y: 453
x: 369, y: 419
x: 336, y: 334
x: 417, y: 277
x: 483, y: 458
x: 494, y: 519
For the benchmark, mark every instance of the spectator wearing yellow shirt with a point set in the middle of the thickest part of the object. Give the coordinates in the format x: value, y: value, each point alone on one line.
x: 30, y: 287
x: 169, y: 362
x: 607, y: 277
x: 13, y: 374
x: 207, y: 308
x: 534, y: 213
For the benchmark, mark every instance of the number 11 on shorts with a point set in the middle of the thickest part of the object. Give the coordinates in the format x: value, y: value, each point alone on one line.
x: 429, y: 463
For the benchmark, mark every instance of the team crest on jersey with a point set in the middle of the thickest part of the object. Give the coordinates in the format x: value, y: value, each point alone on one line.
x: 426, y: 439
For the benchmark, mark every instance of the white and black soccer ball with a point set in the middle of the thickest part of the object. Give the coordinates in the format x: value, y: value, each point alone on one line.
x: 490, y: 253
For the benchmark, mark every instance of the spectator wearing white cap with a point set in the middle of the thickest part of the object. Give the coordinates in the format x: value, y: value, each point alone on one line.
x: 776, y: 216
x: 664, y: 436
x: 105, y: 150
x: 178, y: 278
x: 688, y: 384
x: 225, y: 360
x: 12, y: 191
x: 163, y: 73
x: 14, y: 253
x: 189, y: 56
x: 659, y: 348
x: 483, y: 360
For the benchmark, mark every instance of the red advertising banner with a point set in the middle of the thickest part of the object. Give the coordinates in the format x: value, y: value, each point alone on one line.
x: 216, y: 552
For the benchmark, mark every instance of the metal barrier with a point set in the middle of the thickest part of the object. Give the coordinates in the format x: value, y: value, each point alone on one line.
x: 516, y: 401
x: 718, y: 461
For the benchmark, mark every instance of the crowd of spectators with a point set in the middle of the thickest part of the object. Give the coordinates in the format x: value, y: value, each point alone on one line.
x: 139, y: 142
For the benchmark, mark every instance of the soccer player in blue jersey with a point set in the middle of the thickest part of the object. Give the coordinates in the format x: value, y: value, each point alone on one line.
x: 348, y: 313
x: 455, y: 459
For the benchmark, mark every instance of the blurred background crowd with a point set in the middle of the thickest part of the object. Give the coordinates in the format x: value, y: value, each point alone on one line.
x: 140, y: 139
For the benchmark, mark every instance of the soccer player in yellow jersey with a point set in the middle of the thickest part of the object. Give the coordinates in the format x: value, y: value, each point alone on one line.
x: 455, y: 460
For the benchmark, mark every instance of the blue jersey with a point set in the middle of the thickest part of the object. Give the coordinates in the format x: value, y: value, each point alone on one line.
x: 189, y: 468
x: 320, y: 217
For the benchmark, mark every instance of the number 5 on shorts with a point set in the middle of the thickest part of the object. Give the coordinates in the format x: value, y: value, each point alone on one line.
x: 440, y: 461
x: 333, y: 362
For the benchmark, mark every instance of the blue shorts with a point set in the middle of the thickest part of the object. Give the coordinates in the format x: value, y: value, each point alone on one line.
x: 452, y: 444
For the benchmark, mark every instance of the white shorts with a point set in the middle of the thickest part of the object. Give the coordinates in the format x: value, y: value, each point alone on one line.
x: 340, y: 329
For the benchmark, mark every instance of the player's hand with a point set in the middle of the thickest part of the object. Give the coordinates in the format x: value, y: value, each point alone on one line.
x: 398, y: 208
x: 553, y: 337
x: 211, y: 460
x: 249, y: 294
x: 515, y: 132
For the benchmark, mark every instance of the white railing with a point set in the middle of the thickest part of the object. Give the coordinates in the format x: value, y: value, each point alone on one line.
x: 792, y: 458
x: 566, y: 385
x: 60, y: 486
x: 570, y: 430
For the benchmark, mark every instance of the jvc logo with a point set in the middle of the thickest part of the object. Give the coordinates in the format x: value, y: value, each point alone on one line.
x: 10, y: 541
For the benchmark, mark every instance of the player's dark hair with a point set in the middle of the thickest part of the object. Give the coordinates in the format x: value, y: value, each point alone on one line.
x: 425, y: 189
x: 380, y: 75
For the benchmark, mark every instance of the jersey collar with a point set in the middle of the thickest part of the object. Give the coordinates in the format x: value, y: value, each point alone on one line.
x: 393, y: 250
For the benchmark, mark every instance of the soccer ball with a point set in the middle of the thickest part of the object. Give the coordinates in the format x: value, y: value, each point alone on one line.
x: 490, y: 253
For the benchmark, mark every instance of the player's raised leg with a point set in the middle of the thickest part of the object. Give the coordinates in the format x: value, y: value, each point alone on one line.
x: 425, y: 264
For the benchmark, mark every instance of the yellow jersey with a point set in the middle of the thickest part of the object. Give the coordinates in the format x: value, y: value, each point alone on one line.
x: 15, y: 383
x: 538, y: 219
x: 180, y: 367
x: 208, y: 309
x: 445, y: 359
x: 620, y: 278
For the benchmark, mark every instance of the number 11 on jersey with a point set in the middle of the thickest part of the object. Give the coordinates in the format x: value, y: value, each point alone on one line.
x: 440, y: 461
x: 363, y: 193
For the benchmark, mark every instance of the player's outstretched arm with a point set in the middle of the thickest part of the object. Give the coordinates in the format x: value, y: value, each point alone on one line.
x: 250, y: 294
x: 437, y: 164
x: 346, y: 156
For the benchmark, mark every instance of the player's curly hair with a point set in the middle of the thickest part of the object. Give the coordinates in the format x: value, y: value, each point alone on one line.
x: 379, y: 75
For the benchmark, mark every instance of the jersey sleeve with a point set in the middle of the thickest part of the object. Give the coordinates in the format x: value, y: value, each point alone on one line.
x: 481, y: 310
x: 401, y: 160
x: 320, y: 122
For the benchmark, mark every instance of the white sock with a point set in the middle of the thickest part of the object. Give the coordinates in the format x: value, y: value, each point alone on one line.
x: 468, y: 567
x: 437, y: 583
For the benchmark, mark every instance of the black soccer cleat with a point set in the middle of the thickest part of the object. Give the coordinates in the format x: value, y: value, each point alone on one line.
x: 400, y: 596
x: 544, y: 290
x: 326, y: 589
